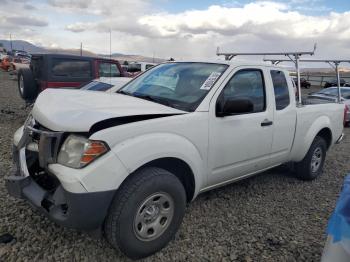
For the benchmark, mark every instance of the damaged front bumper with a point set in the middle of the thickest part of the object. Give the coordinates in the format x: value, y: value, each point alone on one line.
x: 44, y: 191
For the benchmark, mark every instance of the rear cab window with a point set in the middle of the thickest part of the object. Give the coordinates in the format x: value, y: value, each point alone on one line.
x: 73, y: 68
x: 134, y: 67
x: 280, y: 87
x: 148, y: 66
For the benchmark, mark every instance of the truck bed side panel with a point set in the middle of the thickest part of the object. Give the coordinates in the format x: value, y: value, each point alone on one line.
x: 311, y: 119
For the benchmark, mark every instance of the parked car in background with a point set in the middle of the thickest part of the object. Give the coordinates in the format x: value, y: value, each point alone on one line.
x: 331, y: 94
x: 11, y: 64
x: 334, y: 82
x: 63, y: 71
x: 3, y: 55
x: 129, y: 162
x: 19, y: 62
x: 138, y: 67
x: 5, y: 63
x: 303, y: 82
x: 108, y: 84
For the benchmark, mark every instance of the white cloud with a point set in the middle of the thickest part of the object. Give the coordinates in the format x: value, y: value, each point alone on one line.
x: 141, y: 28
x: 110, y: 8
x: 256, y: 25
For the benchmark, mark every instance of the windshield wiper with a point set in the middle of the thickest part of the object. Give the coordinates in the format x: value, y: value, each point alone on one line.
x: 153, y: 99
x: 124, y: 93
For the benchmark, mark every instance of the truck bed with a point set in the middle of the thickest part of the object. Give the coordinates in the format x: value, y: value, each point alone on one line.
x: 310, y: 118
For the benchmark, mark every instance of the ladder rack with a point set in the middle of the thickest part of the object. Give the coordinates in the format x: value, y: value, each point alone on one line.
x: 293, y: 56
x: 332, y: 62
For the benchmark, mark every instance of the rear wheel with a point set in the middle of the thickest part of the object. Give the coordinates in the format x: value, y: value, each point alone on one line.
x: 312, y: 165
x: 26, y: 84
x: 146, y: 212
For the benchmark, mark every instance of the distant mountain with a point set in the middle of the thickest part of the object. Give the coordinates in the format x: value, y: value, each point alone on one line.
x: 69, y: 52
x: 33, y: 49
x: 22, y: 45
x: 134, y: 58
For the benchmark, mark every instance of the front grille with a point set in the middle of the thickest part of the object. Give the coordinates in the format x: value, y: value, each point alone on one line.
x: 48, y: 141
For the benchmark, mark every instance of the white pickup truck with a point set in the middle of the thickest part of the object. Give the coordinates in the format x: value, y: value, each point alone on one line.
x: 128, y: 162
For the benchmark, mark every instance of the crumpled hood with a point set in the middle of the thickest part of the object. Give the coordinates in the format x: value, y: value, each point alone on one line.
x: 77, y: 110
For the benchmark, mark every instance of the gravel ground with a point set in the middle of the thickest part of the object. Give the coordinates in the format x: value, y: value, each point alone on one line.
x: 269, y: 217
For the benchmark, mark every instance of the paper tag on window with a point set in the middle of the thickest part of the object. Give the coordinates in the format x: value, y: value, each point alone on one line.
x: 209, y: 82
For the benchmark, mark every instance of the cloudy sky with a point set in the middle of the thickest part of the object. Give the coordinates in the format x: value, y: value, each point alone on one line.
x: 181, y: 28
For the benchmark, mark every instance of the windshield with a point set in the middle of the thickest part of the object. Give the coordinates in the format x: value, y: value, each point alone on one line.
x: 334, y: 92
x: 179, y: 85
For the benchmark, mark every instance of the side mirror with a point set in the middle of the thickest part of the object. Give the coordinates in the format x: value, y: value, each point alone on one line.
x: 234, y: 107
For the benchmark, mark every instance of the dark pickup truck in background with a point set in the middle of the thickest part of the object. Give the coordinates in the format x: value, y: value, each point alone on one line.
x: 63, y: 71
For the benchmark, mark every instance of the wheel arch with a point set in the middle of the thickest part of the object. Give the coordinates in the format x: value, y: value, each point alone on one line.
x: 171, y: 152
x: 320, y: 127
x: 180, y: 169
x: 326, y: 134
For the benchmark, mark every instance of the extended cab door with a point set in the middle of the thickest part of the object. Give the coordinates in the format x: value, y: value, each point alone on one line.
x: 240, y: 144
x: 284, y: 116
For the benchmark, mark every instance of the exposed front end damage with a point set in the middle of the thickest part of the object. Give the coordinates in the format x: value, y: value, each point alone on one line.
x: 31, y: 180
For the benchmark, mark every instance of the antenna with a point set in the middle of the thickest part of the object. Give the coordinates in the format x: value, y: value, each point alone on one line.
x: 110, y: 55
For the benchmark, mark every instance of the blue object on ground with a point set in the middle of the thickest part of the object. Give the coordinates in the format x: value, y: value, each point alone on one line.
x: 6, y: 238
x: 339, y: 223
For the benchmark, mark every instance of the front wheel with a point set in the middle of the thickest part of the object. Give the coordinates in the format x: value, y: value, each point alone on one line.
x: 312, y: 165
x: 146, y: 212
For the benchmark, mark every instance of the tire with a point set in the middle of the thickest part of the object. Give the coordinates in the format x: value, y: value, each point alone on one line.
x: 26, y: 84
x: 125, y: 227
x: 311, y: 166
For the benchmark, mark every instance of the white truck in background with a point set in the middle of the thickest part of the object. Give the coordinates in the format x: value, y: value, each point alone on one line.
x: 128, y: 162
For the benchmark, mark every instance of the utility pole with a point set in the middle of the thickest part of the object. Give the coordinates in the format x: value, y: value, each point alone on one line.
x: 11, y: 41
x: 110, y: 43
x: 81, y: 49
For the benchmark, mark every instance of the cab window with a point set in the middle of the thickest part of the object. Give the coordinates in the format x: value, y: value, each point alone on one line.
x: 247, y: 84
x: 280, y: 88
x: 148, y: 66
x: 71, y: 68
x: 108, y: 70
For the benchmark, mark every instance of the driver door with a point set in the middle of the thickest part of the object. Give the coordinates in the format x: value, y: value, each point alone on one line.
x: 240, y: 144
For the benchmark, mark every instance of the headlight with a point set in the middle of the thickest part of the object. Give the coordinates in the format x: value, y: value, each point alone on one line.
x: 78, y: 151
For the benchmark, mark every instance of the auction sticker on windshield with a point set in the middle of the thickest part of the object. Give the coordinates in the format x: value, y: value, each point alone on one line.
x: 209, y: 82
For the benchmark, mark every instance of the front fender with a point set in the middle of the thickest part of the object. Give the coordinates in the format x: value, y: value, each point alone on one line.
x: 138, y: 151
x: 303, y: 142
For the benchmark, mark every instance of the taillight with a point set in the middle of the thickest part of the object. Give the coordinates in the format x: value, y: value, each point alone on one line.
x: 346, y: 110
x: 48, y: 84
x: 43, y: 85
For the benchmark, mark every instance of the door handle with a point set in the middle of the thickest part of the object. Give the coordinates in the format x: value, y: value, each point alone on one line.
x: 266, y: 122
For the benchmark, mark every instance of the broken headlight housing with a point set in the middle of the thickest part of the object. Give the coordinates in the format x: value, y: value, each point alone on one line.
x: 78, y: 151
